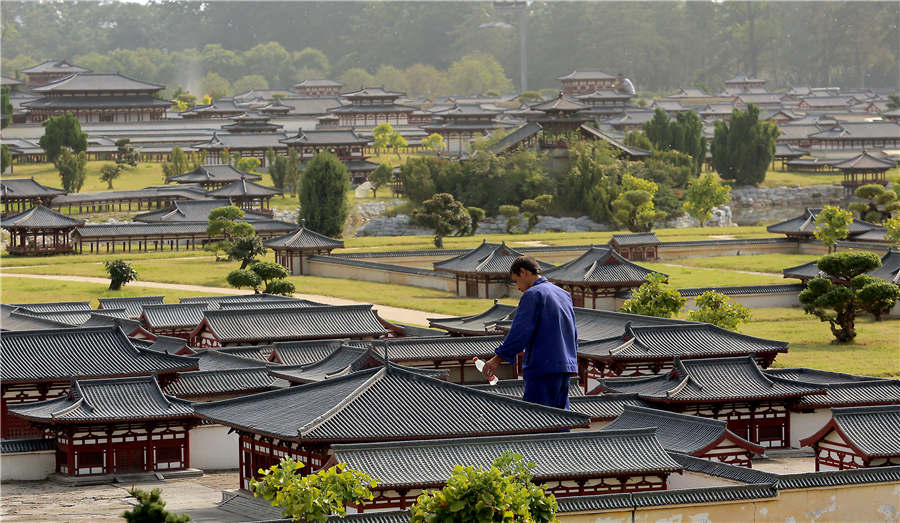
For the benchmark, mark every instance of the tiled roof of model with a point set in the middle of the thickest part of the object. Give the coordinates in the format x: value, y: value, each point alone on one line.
x: 168, y: 192
x: 806, y: 224
x: 12, y: 446
x: 338, y: 363
x: 88, y: 352
x: 25, y: 188
x: 701, y: 339
x: 339, y: 321
x: 474, y: 324
x: 195, y: 228
x: 96, y: 82
x: 600, y: 265
x: 587, y: 75
x: 577, y: 454
x: 732, y: 290
x: 246, y: 380
x: 516, y: 388
x: 304, y: 352
x: 11, y: 319
x: 327, y: 137
x: 871, y: 430
x: 166, y: 344
x: 435, y: 348
x: 304, y: 238
x: 213, y: 173
x: 250, y: 352
x: 373, y: 92
x: 108, y: 399
x: 244, y: 187
x: 69, y: 318
x: 265, y: 304
x: 605, y: 94
x: 133, y: 306
x: 842, y: 390
x: 864, y: 161
x: 516, y: 137
x: 55, y: 66
x: 215, y: 359
x: 711, y: 379
x: 889, y: 270
x: 680, y: 432
x: 727, y: 471
x: 640, y: 238
x: 560, y: 103
x: 39, y: 217
x: 487, y: 258
x: 222, y: 140
x: 54, y: 306
x: 173, y: 315
x: 604, y: 407
x: 316, y: 82
x: 411, y: 406
x: 214, y: 302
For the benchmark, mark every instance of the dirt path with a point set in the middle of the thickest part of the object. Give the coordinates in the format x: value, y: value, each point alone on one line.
x: 387, y: 312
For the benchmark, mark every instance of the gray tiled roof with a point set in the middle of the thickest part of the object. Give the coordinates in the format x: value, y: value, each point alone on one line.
x: 819, y: 377
x: 89, y: 352
x: 876, y: 392
x: 373, y: 92
x: 305, y: 352
x: 889, y: 270
x: 833, y: 478
x: 55, y: 66
x: 213, y: 173
x: 243, y: 141
x: 244, y: 188
x: 250, y: 352
x: 223, y: 381
x: 178, y: 315
x: 300, y: 323
x: 703, y: 495
x: 70, y: 318
x: 640, y: 238
x: 14, y: 446
x: 872, y: 430
x: 108, y: 399
x: 864, y: 161
x: 516, y: 137
x: 96, y: 82
x: 594, y: 503
x: 487, y: 258
x: 39, y: 217
x: 680, y: 432
x: 560, y: 103
x: 215, y: 359
x: 340, y: 362
x: 55, y: 306
x: 436, y: 348
x: 315, y: 82
x: 711, y: 379
x: 304, y: 238
x: 723, y: 470
x: 151, y: 229
x: 11, y: 321
x: 26, y: 188
x: 516, y: 388
x: 602, y: 266
x: 744, y: 289
x: 668, y: 341
x: 215, y: 301
x: 79, y: 102
x: 587, y: 75
x: 226, y: 305
x: 156, y: 192
x: 194, y: 211
x: 133, y: 305
x: 806, y: 224
x: 410, y: 406
x: 167, y: 344
x: 327, y: 137
x: 574, y: 454
x: 604, y: 407
x: 475, y: 324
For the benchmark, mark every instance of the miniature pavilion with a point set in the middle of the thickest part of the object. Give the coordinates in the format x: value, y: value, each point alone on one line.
x: 863, y: 169
x: 95, y: 97
x: 40, y: 230
x: 21, y: 194
x: 212, y: 177
x: 858, y: 437
x: 247, y: 195
x: 583, y: 82
x: 294, y: 247
x: 482, y: 272
x: 46, y: 72
x: 594, y: 278
x: 370, y: 106
x: 641, y: 246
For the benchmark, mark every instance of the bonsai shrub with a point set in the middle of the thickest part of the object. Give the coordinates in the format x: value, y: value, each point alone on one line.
x: 120, y: 273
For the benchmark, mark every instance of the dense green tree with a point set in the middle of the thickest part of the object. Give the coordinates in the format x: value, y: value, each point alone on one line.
x: 476, y: 214
x: 534, y: 209
x: 592, y: 182
x: 703, y: 195
x: 179, y: 163
x: 315, y: 496
x: 248, y: 164
x: 240, y: 278
x: 504, y: 492
x: 654, y: 298
x: 62, y: 131
x: 216, y: 86
x: 285, y: 170
x: 684, y: 133
x: 718, y: 309
x: 246, y: 249
x: 71, y: 167
x: 120, y: 272
x: 125, y: 153
x: 151, y: 509
x: 477, y: 73
x: 109, y: 172
x: 875, y: 296
x: 6, y: 108
x: 418, y: 181
x: 425, y: 80
x: 356, y: 78
x: 250, y: 82
x: 513, y: 218
x: 638, y: 139
x: 878, y: 204
x: 265, y: 61
x: 5, y: 158
x: 893, y: 230
x: 270, y: 273
x: 310, y: 64
x: 445, y: 215
x: 743, y: 147
x: 223, y: 222
x: 433, y: 142
x: 833, y: 225
x: 323, y: 194
x: 380, y: 177
x: 633, y: 208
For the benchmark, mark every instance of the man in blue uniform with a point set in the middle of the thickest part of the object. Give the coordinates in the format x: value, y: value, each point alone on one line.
x: 544, y: 328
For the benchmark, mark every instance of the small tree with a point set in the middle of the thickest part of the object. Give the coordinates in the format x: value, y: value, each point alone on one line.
x: 269, y: 272
x: 315, y: 496
x: 151, y: 509
x: 382, y: 134
x: 838, y: 303
x: 281, y: 287
x: 743, y: 147
x: 244, y: 278
x: 654, y: 298
x: 433, y: 142
x: 833, y: 225
x: 634, y: 208
x: 223, y: 222
x: 381, y: 176
x: 60, y: 132
x: 246, y: 249
x: 178, y: 163
x: 120, y: 273
x: 5, y: 159
x: 443, y: 214
x: 534, y: 209
x: 638, y: 139
x: 71, y: 167
x: 513, y: 219
x: 398, y: 142
x: 323, y: 194
x: 718, y: 309
x: 125, y: 154
x: 285, y: 170
x: 6, y: 108
x: 476, y: 214
x: 248, y: 164
x: 892, y: 233
x: 504, y: 492
x: 703, y: 195
x: 109, y: 172
x: 878, y: 205
x: 875, y: 296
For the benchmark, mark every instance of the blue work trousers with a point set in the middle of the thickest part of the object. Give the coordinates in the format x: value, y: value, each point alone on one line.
x: 551, y: 390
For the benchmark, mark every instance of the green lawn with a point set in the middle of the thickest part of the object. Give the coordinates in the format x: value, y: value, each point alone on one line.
x: 779, y: 178
x: 24, y: 290
x: 688, y: 277
x: 143, y: 175
x: 773, y: 263
x: 70, y: 259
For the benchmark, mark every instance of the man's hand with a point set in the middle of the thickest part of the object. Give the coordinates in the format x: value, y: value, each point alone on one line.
x: 490, y: 366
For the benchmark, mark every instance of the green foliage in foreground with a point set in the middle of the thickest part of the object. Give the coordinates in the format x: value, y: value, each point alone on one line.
x: 323, y: 194
x: 833, y: 225
x: 743, y: 147
x: 120, y: 273
x: 312, y: 497
x: 151, y: 509
x: 718, y: 309
x: 503, y: 492
x: 654, y: 298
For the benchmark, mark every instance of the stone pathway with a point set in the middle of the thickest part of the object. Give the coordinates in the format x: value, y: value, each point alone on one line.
x: 398, y: 314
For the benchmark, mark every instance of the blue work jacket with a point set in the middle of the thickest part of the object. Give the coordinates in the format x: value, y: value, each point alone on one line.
x: 543, y: 327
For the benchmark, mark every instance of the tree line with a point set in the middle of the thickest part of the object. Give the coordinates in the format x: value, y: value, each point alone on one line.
x: 659, y: 45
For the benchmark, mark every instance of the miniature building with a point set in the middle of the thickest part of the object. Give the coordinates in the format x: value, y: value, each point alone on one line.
x: 303, y: 422
x: 348, y: 146
x: 115, y: 426
x: 804, y: 227
x: 583, y: 82
x: 605, y: 103
x: 39, y: 230
x: 460, y: 124
x: 304, y: 352
x: 176, y: 320
x: 292, y: 248
x: 248, y: 145
x: 650, y: 350
x: 744, y: 81
x: 691, y: 435
x: 755, y: 406
x: 596, y: 462
x: 863, y: 169
x: 154, y: 196
x: 194, y: 211
x: 594, y: 278
x: 251, y: 123
x: 889, y: 270
x: 642, y: 246
x: 562, y: 116
x: 319, y: 88
x: 98, y: 98
x: 223, y: 108
x: 212, y: 177
x: 603, y: 408
x: 49, y: 71
x: 20, y: 194
x: 344, y: 360
x: 247, y: 195
x: 483, y: 272
x: 133, y: 306
x: 858, y: 437
x: 371, y: 106
x: 453, y: 354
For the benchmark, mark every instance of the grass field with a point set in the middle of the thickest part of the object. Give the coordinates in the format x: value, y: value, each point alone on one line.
x: 143, y: 175
x: 772, y: 263
x: 26, y: 290
x: 688, y: 277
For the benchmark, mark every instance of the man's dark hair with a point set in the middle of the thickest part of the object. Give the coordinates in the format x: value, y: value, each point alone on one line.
x: 525, y: 262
